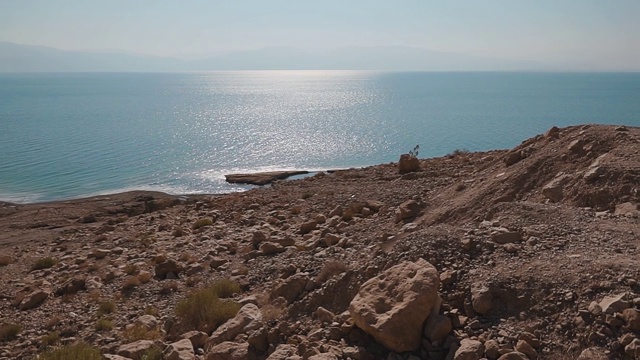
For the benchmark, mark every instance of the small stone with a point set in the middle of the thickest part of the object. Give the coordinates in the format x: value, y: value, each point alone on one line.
x: 269, y: 248
x: 308, y: 227
x: 504, y: 236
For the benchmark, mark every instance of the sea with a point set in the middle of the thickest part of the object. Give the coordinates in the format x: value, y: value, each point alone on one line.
x: 72, y: 135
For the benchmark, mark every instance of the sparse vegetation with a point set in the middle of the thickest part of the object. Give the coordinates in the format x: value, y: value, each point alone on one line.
x: 151, y: 310
x: 203, y: 310
x: 414, y: 152
x: 144, y: 277
x: 51, y: 338
x: 79, y: 351
x: 169, y: 287
x: 106, y: 307
x: 202, y: 223
x: 130, y: 269
x: 331, y: 269
x: 44, y: 263
x: 225, y: 288
x: 178, y: 231
x: 457, y: 152
x: 104, y: 325
x: 9, y: 332
x: 153, y: 353
x: 137, y: 332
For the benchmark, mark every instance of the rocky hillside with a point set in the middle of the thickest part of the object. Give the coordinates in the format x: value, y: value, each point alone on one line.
x: 530, y: 253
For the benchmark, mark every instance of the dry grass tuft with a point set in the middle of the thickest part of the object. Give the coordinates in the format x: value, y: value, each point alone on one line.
x: 144, y: 277
x: 202, y: 223
x: 137, y: 332
x: 104, y: 325
x: 9, y: 332
x: 44, y: 263
x: 204, y: 311
x: 106, y: 307
x: 331, y: 269
x: 80, y: 350
x: 50, y: 339
x: 169, y: 287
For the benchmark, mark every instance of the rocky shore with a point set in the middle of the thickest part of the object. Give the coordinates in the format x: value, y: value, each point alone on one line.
x: 529, y: 253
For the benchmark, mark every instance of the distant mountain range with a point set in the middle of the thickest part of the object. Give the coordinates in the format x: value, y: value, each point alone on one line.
x: 28, y: 58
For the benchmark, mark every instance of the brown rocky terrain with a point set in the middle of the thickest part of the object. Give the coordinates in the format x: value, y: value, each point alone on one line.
x: 531, y: 253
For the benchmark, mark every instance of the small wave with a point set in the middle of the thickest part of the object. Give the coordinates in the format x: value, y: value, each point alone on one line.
x: 22, y: 198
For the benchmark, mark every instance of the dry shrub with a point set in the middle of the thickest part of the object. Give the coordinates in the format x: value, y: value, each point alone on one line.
x: 272, y: 311
x: 50, y: 339
x: 331, y: 269
x: 106, y: 307
x: 153, y: 353
x: 44, y: 263
x: 144, y: 277
x: 9, y: 332
x: 130, y: 269
x: 169, y: 287
x: 225, y: 288
x: 104, y: 325
x: 204, y: 311
x: 193, y: 281
x: 80, y: 350
x: 130, y: 283
x: 151, y: 310
x: 178, y: 231
x: 202, y: 223
x: 5, y: 260
x: 137, y: 332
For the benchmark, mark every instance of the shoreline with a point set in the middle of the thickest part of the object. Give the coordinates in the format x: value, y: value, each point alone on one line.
x: 528, y: 236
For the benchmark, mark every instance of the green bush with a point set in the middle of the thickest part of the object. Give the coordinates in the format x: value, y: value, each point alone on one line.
x: 79, y: 351
x: 9, y: 332
x: 44, y: 263
x: 204, y: 311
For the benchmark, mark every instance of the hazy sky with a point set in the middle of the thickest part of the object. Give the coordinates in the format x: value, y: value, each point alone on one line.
x: 597, y: 32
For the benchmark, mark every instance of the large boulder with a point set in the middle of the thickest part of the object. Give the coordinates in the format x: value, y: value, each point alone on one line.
x: 230, y: 351
x: 408, y: 163
x: 137, y: 349
x: 179, y: 350
x: 469, y: 350
x: 34, y: 299
x: 393, y: 306
x: 71, y: 286
x: 291, y: 288
x: 248, y: 319
x: 408, y: 210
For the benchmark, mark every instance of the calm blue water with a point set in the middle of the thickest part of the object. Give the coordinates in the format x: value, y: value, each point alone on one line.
x: 70, y: 135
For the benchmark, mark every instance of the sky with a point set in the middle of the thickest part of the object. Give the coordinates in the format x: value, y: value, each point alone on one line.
x: 597, y: 33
